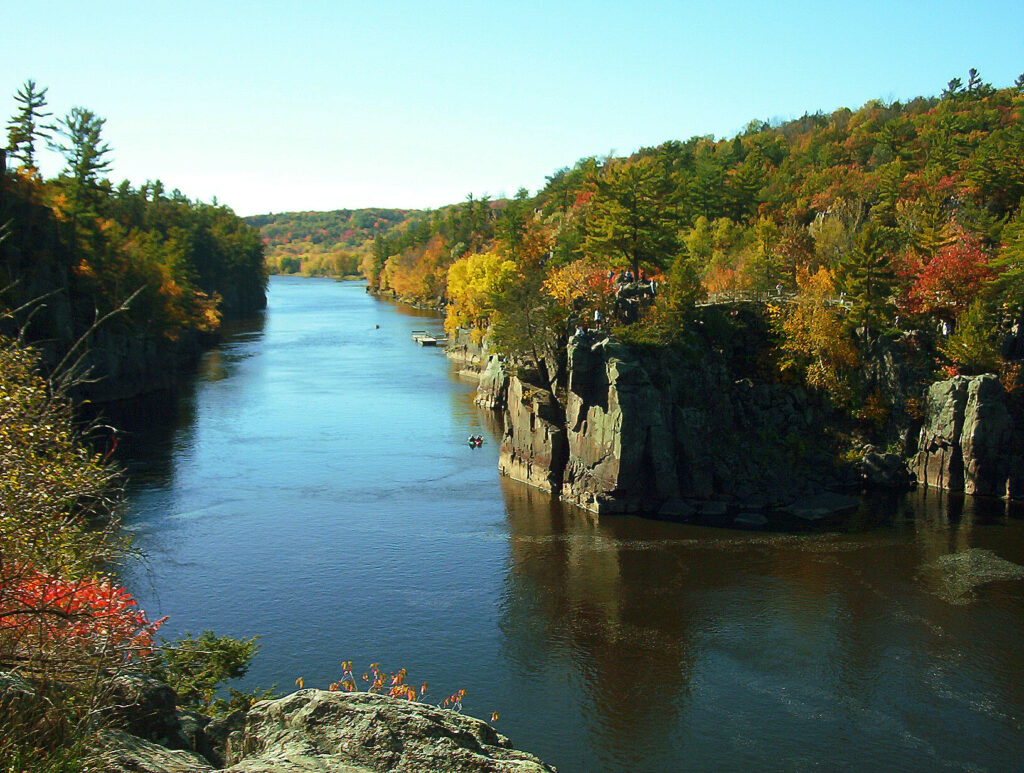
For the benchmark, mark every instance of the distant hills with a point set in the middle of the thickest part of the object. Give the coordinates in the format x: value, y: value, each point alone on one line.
x: 326, y: 243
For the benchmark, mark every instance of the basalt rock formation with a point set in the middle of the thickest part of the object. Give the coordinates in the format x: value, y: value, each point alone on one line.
x: 492, y: 391
x: 317, y: 730
x: 663, y: 433
x: 533, y: 448
x: 970, y: 443
x: 659, y: 435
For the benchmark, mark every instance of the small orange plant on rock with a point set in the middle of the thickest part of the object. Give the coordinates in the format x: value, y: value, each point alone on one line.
x: 395, y: 685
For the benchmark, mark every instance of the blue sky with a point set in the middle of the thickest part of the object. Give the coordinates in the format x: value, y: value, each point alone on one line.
x: 275, y: 106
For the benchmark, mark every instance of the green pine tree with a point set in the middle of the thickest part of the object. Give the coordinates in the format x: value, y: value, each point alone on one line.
x: 25, y: 128
x: 633, y: 217
x: 868, y: 277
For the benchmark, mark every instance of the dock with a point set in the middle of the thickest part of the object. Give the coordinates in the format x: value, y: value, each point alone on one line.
x: 423, y: 338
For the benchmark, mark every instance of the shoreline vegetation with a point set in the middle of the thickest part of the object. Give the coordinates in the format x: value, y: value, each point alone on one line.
x: 860, y: 269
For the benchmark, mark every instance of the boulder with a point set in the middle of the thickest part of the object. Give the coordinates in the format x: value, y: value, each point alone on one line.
x: 144, y: 707
x: 533, y: 448
x: 19, y: 702
x: 223, y: 736
x: 817, y: 507
x: 317, y: 730
x: 966, y: 444
x: 886, y: 471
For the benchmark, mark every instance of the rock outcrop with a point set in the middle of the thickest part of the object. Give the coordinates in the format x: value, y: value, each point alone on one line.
x: 883, y: 471
x: 121, y: 751
x: 462, y: 348
x: 310, y: 730
x: 492, y: 392
x: 619, y: 443
x: 968, y: 441
x: 317, y: 730
x: 533, y: 448
x: 654, y: 434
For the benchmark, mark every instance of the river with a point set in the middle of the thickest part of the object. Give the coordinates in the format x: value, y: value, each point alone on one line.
x: 313, y: 486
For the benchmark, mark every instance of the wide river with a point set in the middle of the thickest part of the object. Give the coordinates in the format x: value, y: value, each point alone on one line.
x: 313, y: 486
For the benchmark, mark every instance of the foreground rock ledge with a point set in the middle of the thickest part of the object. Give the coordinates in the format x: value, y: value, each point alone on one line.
x: 316, y: 730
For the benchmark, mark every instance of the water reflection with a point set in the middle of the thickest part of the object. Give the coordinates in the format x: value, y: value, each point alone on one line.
x: 797, y: 644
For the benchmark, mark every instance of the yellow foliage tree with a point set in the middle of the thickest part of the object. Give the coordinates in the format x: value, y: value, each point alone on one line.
x: 581, y: 288
x: 474, y: 282
x: 813, y: 338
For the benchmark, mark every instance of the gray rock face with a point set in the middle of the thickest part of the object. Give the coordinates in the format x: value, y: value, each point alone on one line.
x: 492, y: 392
x: 144, y: 707
x: 620, y: 446
x: 533, y: 448
x: 666, y: 437
x: 316, y: 730
x: 887, y: 471
x: 967, y: 443
x: 462, y: 348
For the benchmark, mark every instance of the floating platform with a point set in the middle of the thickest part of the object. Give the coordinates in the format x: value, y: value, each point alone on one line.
x: 423, y: 338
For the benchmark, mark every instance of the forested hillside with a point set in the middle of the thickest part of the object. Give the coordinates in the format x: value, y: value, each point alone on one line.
x: 76, y: 248
x: 325, y: 243
x: 888, y: 216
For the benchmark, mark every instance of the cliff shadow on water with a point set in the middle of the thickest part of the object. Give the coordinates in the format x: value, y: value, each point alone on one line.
x: 150, y: 427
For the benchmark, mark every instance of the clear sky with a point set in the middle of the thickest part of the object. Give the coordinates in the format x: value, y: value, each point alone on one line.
x: 278, y: 106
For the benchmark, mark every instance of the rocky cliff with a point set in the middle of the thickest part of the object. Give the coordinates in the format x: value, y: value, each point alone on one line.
x: 533, y: 448
x: 970, y: 442
x: 656, y: 434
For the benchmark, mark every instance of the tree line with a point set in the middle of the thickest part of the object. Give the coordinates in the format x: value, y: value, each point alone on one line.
x: 891, y: 217
x: 187, y: 263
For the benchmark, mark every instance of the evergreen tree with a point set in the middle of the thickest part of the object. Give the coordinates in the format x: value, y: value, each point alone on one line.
x: 84, y: 151
x: 1008, y: 283
x: 632, y: 216
x: 86, y: 155
x: 971, y: 346
x: 868, y: 276
x: 24, y: 128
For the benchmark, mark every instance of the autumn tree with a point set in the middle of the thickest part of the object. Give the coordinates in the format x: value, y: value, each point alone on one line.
x: 814, y: 342
x: 948, y: 283
x: 25, y: 129
x: 762, y: 267
x: 65, y: 623
x: 473, y: 282
x: 579, y: 289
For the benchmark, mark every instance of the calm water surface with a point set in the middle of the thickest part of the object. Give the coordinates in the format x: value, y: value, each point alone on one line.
x: 313, y: 486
